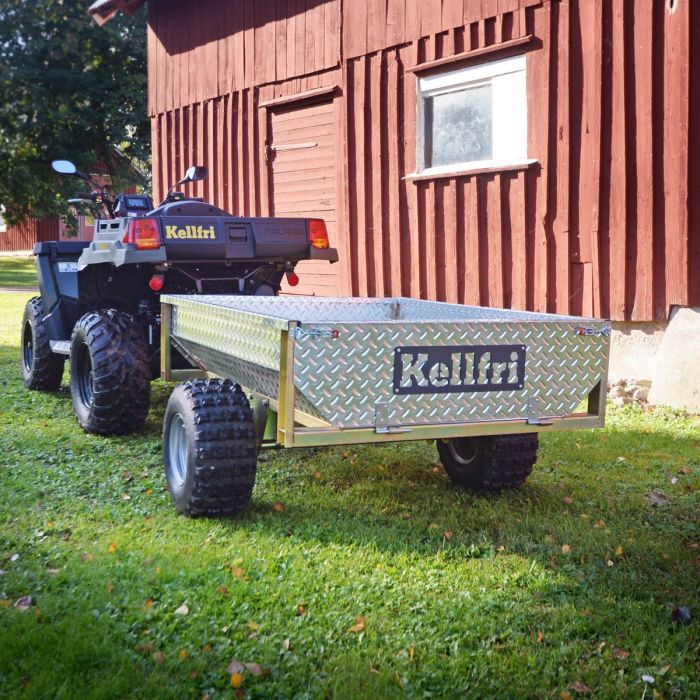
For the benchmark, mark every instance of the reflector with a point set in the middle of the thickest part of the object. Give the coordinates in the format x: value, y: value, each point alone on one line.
x: 156, y: 283
x: 292, y: 279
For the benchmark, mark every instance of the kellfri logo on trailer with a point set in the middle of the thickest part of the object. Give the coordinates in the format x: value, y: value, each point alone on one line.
x: 459, y: 368
x: 187, y: 232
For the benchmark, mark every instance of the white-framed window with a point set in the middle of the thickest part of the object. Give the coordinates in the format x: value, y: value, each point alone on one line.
x: 474, y: 117
x: 3, y: 225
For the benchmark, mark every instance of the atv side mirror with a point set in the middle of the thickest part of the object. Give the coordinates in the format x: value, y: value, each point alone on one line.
x: 64, y: 167
x: 194, y: 173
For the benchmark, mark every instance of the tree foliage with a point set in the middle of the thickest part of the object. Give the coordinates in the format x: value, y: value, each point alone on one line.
x: 68, y: 89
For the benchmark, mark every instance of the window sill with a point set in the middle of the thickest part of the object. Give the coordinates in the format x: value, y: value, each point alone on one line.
x: 457, y: 171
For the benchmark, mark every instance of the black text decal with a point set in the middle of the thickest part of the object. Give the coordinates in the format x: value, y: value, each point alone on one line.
x: 460, y: 368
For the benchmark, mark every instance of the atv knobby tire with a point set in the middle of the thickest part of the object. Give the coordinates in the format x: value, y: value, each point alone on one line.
x: 489, y: 463
x: 41, y: 368
x: 209, y: 448
x: 109, y: 373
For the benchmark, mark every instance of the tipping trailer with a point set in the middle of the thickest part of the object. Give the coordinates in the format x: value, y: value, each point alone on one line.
x: 306, y: 371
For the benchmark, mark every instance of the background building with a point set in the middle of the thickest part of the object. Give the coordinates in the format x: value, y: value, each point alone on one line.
x: 533, y: 154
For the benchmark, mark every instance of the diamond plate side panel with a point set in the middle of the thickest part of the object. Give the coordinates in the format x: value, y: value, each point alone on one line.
x: 253, y: 376
x: 345, y: 377
x: 242, y: 335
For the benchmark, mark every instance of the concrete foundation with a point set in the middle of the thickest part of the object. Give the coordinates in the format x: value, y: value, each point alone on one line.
x: 633, y: 350
x: 676, y: 381
x: 658, y: 360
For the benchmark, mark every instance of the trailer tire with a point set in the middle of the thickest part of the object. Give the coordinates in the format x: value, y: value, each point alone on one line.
x: 109, y: 373
x: 209, y: 448
x: 489, y: 463
x: 41, y: 369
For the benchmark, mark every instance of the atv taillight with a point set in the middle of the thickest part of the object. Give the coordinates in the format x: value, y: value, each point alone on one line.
x: 144, y: 234
x: 318, y: 234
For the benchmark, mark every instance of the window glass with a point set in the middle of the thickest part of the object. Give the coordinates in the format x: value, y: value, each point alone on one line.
x: 459, y: 126
x: 473, y: 117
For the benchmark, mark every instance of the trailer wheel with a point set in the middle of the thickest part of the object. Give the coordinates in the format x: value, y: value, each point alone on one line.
x: 209, y: 448
x: 41, y: 368
x: 489, y: 463
x: 109, y: 373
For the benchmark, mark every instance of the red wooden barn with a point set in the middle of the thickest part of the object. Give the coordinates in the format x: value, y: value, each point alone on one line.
x: 538, y: 154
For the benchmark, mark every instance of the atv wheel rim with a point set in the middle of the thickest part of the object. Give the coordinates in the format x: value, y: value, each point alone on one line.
x: 27, y: 347
x: 463, y: 450
x: 177, y: 451
x: 85, y: 379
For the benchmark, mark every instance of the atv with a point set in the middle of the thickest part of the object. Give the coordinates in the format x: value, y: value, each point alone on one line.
x: 99, y: 303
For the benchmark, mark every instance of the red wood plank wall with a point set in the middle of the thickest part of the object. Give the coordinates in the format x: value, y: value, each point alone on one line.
x: 29, y: 232
x: 606, y: 223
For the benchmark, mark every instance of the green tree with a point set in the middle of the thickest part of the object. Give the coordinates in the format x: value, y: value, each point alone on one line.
x: 68, y: 89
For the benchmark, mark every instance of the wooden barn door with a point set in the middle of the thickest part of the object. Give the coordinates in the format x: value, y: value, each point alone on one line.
x: 303, y: 179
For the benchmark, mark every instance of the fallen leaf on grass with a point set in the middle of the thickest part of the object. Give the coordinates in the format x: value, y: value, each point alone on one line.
x: 448, y: 534
x: 112, y: 548
x: 565, y: 695
x: 5, y: 603
x: 182, y: 655
x: 610, y: 562
x: 125, y: 497
x: 148, y: 603
x: 317, y: 475
x: 223, y: 590
x: 182, y: 610
x: 207, y: 648
x: 253, y: 626
x: 286, y: 644
x: 568, y: 500
x: 237, y: 571
x: 23, y: 603
x: 236, y: 680
x: 580, y: 687
x: 159, y: 657
x: 618, y: 551
x: 278, y: 506
x: 235, y: 667
x: 301, y: 609
x: 621, y: 654
x: 684, y: 470
x: 126, y: 475
x: 657, y: 498
x: 359, y: 625
x: 565, y: 549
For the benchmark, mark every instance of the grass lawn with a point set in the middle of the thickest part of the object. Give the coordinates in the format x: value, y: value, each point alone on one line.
x: 357, y: 572
x: 18, y: 272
